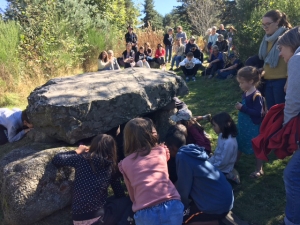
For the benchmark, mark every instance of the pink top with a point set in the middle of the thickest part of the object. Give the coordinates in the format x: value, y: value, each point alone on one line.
x: 160, y: 53
x: 147, y: 179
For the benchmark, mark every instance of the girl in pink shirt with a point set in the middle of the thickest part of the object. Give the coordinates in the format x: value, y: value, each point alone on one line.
x: 145, y: 171
x: 160, y: 55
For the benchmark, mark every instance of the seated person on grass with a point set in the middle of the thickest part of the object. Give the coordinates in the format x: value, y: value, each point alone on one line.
x: 141, y: 58
x: 222, y: 44
x: 190, y: 66
x: 216, y: 62
x: 199, y: 181
x: 190, y: 45
x: 197, y: 53
x: 179, y: 52
x: 14, y: 124
x: 129, y: 56
x: 231, y: 69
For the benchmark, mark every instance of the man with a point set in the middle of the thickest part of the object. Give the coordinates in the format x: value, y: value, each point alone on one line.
x: 216, y: 62
x: 190, y: 45
x: 198, y: 180
x: 132, y: 38
x: 168, y: 41
x: 222, y: 31
x: 11, y: 125
x: 181, y: 35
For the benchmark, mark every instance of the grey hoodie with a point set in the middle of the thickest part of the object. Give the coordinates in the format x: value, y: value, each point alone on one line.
x: 292, y: 100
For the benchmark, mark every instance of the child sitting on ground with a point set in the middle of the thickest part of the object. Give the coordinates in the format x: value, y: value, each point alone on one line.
x: 141, y: 58
x: 226, y: 151
x: 155, y: 199
x: 196, y: 134
x: 190, y: 66
x: 95, y: 167
x: 200, y: 181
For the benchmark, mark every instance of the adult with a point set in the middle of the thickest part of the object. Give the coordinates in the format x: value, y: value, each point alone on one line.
x: 216, y: 62
x: 103, y: 62
x: 222, y: 44
x: 113, y: 60
x: 222, y: 31
x: 168, y: 42
x: 190, y: 45
x: 205, y: 39
x: 289, y: 45
x: 213, y: 37
x: 231, y: 69
x: 274, y: 23
x: 179, y: 52
x: 148, y: 52
x: 231, y: 36
x: 12, y: 124
x: 197, y: 53
x: 132, y: 38
x: 198, y: 180
x: 129, y: 56
x: 181, y: 35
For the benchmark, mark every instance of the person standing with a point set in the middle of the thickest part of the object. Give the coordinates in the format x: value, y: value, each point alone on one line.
x: 168, y: 41
x: 132, y: 38
x: 223, y: 31
x: 231, y: 35
x: 213, y: 37
x: 275, y: 24
x: 181, y: 35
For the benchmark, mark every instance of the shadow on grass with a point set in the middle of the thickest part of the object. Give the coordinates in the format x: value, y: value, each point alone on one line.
x: 258, y: 201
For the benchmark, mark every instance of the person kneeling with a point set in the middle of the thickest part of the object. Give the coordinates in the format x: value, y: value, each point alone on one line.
x: 141, y: 58
x: 190, y: 66
x: 211, y: 194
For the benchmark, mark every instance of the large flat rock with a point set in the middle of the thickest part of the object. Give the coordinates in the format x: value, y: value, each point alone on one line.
x: 82, y: 106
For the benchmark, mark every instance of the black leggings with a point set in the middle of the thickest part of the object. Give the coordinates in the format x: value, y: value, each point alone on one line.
x: 3, y: 135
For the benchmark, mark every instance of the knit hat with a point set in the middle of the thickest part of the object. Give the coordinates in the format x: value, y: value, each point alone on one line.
x: 183, y: 114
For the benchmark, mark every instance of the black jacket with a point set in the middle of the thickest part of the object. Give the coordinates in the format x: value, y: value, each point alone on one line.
x: 223, y: 46
x: 131, y: 37
x: 140, y: 56
x: 198, y: 54
x: 167, y: 41
x: 189, y: 46
x: 224, y: 33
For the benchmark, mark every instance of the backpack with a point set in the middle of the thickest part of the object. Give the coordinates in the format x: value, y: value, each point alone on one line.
x: 264, y: 109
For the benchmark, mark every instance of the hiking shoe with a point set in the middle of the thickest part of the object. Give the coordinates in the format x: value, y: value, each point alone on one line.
x: 187, y: 79
x: 194, y: 79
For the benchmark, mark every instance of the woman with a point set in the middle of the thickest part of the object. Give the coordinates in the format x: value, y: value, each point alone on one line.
x: 103, y: 62
x: 289, y: 45
x: 222, y: 44
x: 159, y: 55
x: 213, y: 37
x: 179, y: 51
x: 128, y: 56
x: 274, y: 24
x: 148, y: 52
x: 113, y: 60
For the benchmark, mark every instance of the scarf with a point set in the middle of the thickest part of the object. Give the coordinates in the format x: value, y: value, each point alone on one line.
x: 271, y: 57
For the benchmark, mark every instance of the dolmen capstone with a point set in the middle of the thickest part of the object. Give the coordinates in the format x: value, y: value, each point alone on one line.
x: 67, y: 110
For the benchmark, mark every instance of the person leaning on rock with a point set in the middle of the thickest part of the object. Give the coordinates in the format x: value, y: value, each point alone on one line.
x: 12, y: 123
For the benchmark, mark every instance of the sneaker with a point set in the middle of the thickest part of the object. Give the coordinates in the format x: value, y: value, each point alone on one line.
x: 194, y: 79
x: 187, y: 79
x: 234, y: 176
x: 171, y: 68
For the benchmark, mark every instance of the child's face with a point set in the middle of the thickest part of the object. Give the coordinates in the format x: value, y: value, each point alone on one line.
x: 216, y: 127
x: 189, y: 58
x: 244, y: 84
x: 141, y: 50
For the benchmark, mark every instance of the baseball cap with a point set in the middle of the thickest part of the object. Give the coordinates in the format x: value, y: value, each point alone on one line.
x: 193, y: 38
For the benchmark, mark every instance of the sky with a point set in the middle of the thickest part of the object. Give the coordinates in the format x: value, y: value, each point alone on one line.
x: 162, y: 6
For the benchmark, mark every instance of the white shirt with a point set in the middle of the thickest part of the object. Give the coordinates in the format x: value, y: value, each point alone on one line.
x: 225, y: 154
x: 213, y: 39
x: 12, y: 120
x: 189, y: 64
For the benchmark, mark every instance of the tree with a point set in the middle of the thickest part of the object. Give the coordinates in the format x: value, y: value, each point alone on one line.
x: 132, y: 12
x: 152, y: 17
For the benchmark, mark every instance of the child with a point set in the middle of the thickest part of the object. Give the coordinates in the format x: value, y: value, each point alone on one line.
x: 196, y: 134
x: 129, y: 56
x: 103, y: 62
x: 251, y: 112
x: 113, y: 60
x: 155, y: 199
x: 200, y: 181
x: 11, y: 125
x: 226, y: 152
x: 94, y: 168
x: 159, y: 55
x: 179, y: 51
x: 190, y: 66
x: 148, y: 52
x: 168, y: 41
x: 141, y: 58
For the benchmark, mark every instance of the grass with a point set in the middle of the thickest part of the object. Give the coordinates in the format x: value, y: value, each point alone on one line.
x: 260, y: 201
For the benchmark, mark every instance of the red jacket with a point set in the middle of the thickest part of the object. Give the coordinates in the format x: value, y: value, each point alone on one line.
x: 273, y: 136
x: 160, y: 54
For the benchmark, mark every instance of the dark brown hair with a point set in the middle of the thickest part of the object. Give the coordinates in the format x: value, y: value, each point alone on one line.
x: 226, y: 124
x: 291, y: 39
x: 281, y: 17
x: 250, y: 73
x: 101, y: 56
x: 139, y: 137
x: 142, y: 47
x: 189, y: 55
x: 24, y: 116
x: 159, y: 45
x: 192, y: 122
x: 104, y: 147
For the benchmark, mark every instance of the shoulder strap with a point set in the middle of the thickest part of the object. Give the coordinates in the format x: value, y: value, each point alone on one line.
x: 256, y: 94
x: 264, y: 107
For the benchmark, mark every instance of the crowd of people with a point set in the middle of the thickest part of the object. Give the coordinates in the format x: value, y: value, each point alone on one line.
x: 182, y: 180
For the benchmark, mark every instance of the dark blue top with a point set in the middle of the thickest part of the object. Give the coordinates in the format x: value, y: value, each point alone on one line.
x: 255, y: 109
x: 220, y: 57
x: 90, y: 185
x: 200, y: 180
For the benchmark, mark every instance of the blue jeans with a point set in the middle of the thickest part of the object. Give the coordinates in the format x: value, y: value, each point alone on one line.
x: 166, y: 213
x: 292, y: 188
x: 225, y: 74
x: 274, y: 92
x: 168, y: 52
x: 176, y: 59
